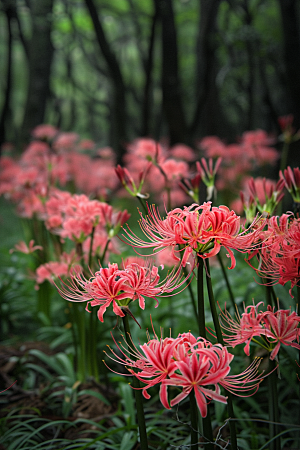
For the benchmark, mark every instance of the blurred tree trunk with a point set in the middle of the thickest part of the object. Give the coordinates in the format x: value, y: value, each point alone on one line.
x: 119, y: 117
x: 291, y: 35
x: 208, y: 116
x: 171, y: 91
x: 40, y: 59
x: 148, y: 66
x: 9, y: 12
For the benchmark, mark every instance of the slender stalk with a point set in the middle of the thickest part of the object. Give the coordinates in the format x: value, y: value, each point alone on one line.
x: 191, y: 292
x: 201, y: 306
x: 271, y: 298
x: 137, y: 393
x: 273, y: 406
x: 284, y: 155
x: 206, y: 421
x: 218, y: 330
x: 92, y: 341
x: 104, y: 252
x: 91, y: 248
x: 142, y: 204
x: 273, y: 295
x: 231, y: 296
x: 194, y: 421
x: 79, y: 316
x: 73, y: 331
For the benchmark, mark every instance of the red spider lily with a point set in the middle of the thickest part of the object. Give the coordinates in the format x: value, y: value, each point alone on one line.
x: 244, y: 328
x: 102, y: 289
x: 281, y: 328
x: 128, y: 181
x: 266, y: 193
x: 24, y: 248
x: 279, y: 254
x: 155, y: 363
x: 201, y: 229
x: 291, y: 179
x: 285, y: 123
x: 120, y: 287
x: 188, y: 362
x: 288, y: 131
x: 206, y: 173
x: 276, y: 328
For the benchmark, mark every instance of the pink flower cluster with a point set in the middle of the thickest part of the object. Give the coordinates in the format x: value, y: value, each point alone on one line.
x: 55, y: 160
x: 119, y: 287
x: 189, y: 363
x: 279, y: 253
x: 274, y: 327
x: 76, y: 217
x: 259, y: 195
x: 57, y: 269
x: 238, y: 160
x: 199, y: 229
x: 167, y: 167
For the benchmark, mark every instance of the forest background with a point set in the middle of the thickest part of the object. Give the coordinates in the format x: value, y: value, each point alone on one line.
x: 179, y: 70
x: 113, y: 71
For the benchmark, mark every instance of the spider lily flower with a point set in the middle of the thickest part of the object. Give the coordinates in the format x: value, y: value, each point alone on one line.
x: 190, y: 363
x: 266, y: 193
x: 281, y: 328
x: 208, y: 174
x: 274, y: 327
x: 119, y: 287
x: 24, y: 248
x: 291, y: 179
x: 279, y: 255
x: 249, y: 206
x: 243, y: 329
x: 191, y: 186
x: 129, y: 183
x: 288, y: 131
x: 199, y: 229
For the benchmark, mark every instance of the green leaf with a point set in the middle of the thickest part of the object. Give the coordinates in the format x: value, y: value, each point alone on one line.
x: 95, y: 394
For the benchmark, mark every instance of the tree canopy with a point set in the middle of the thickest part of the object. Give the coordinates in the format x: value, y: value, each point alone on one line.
x: 169, y: 69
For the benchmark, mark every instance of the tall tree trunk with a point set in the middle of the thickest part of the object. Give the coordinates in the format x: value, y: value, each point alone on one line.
x: 119, y: 117
x: 40, y: 59
x: 291, y: 34
x: 7, y: 95
x: 172, y: 99
x: 208, y: 116
x: 148, y: 78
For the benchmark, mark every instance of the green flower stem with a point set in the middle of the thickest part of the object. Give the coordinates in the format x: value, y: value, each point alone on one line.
x: 73, y: 331
x: 231, y: 296
x: 137, y: 393
x: 79, y: 316
x: 191, y: 292
x: 218, y: 330
x: 284, y: 155
x: 270, y: 295
x: 273, y: 295
x: 41, y: 235
x: 273, y: 406
x: 206, y: 421
x: 201, y: 305
x: 91, y: 248
x: 104, y: 252
x: 142, y: 204
x: 194, y: 421
x: 44, y: 299
x: 92, y: 341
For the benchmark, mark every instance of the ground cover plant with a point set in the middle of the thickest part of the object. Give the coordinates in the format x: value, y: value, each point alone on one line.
x: 140, y: 307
